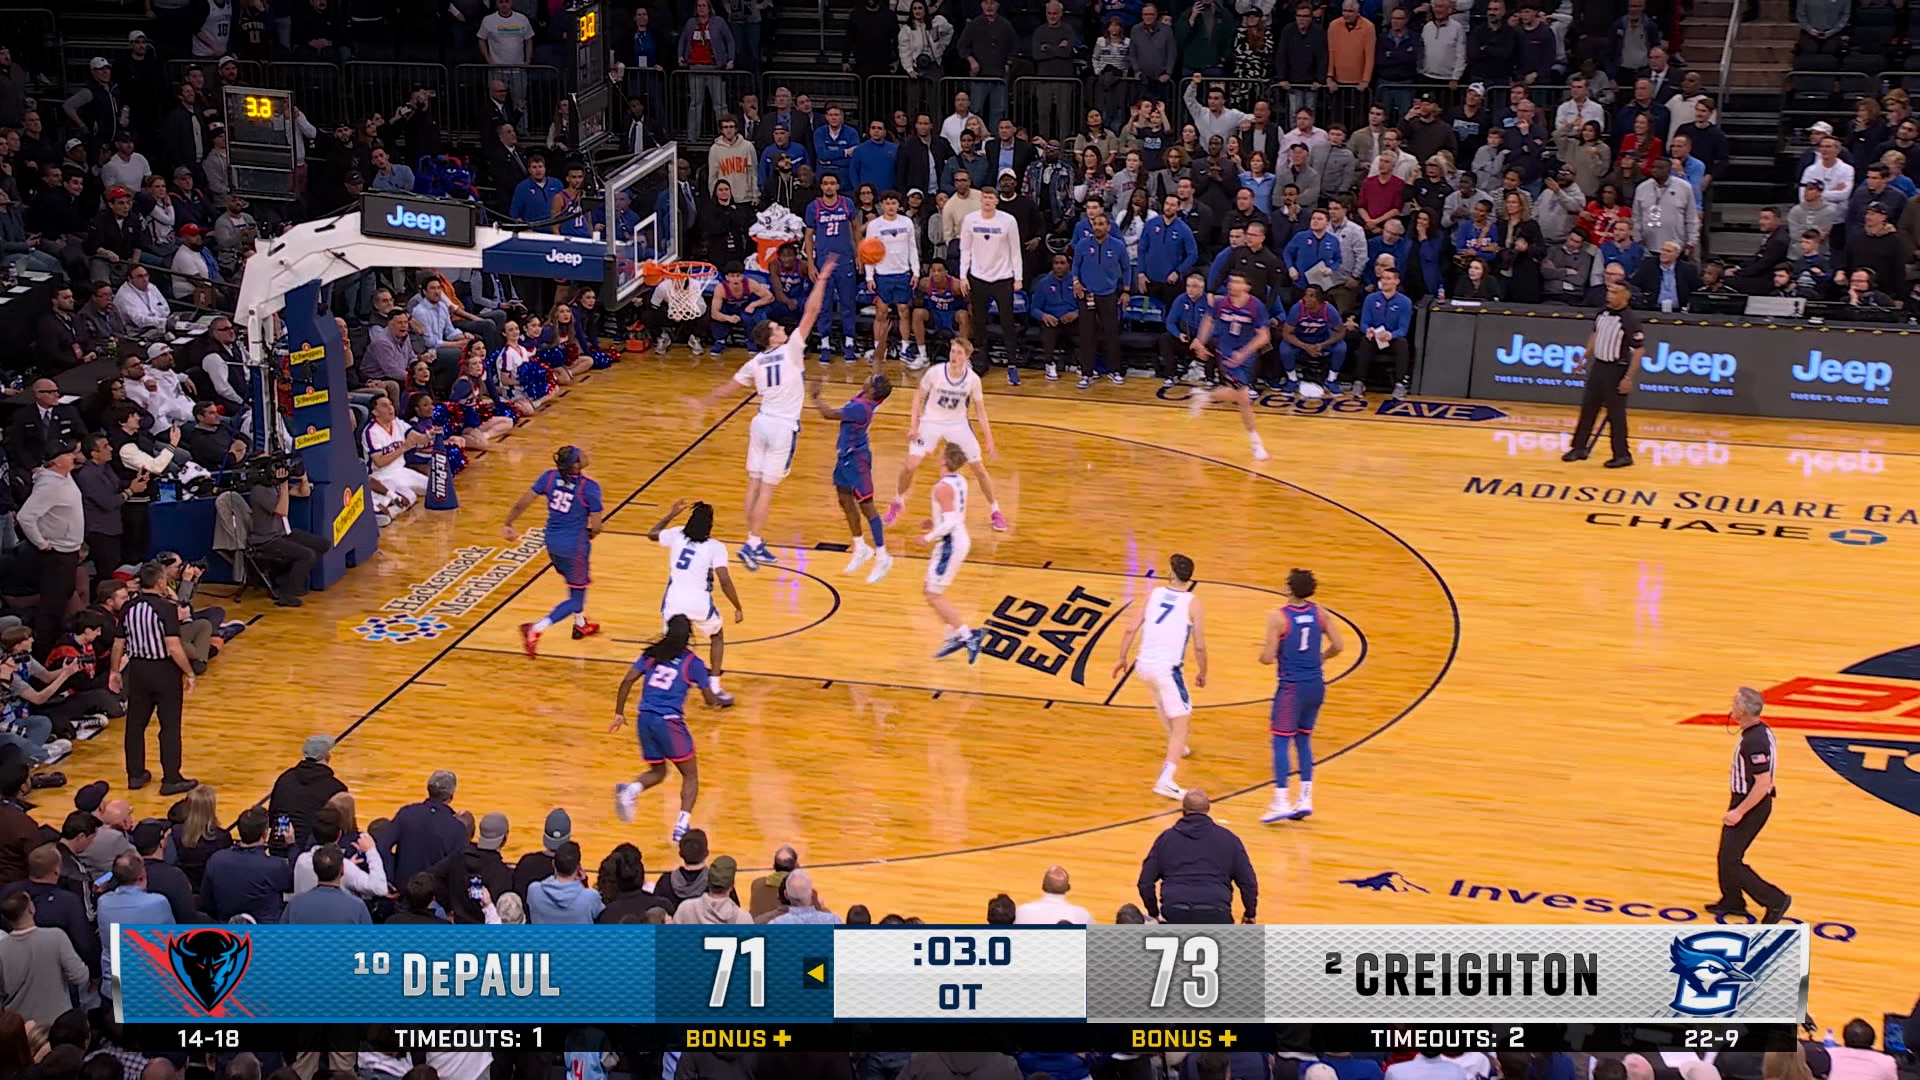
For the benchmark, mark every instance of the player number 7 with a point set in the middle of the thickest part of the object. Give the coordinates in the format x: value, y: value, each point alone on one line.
x: 1202, y: 954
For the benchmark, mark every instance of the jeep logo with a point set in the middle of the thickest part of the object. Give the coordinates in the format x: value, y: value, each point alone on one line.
x: 1713, y: 367
x: 1534, y: 354
x: 565, y: 258
x: 1867, y: 376
x: 431, y: 224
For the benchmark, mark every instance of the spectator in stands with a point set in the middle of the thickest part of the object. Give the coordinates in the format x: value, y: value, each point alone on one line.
x: 1352, y: 45
x: 160, y: 391
x: 246, y: 879
x: 1896, y: 163
x: 1052, y: 907
x: 689, y: 879
x: 801, y: 903
x: 1835, y: 175
x: 1565, y: 269
x: 1864, y: 291
x: 434, y: 312
x: 1492, y: 47
x: 1204, y: 36
x: 1521, y: 246
x: 328, y: 902
x: 140, y: 304
x: 1588, y: 155
x: 423, y: 834
x: 1537, y: 58
x: 1667, y: 281
x: 986, y: 44
x: 1193, y: 867
x: 1383, y: 196
x: 1664, y: 209
x: 194, y: 266
x: 714, y: 905
x: 56, y: 344
x: 389, y: 352
x: 125, y: 167
x: 1877, y: 189
x: 130, y: 902
x: 113, y: 239
x: 210, y: 441
x: 475, y: 873
x: 1301, y: 59
x: 1856, y: 1059
x: 1823, y: 24
x: 1880, y: 249
x: 303, y: 790
x: 564, y: 896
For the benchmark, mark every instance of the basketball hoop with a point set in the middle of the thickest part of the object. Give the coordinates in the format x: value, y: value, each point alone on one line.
x: 653, y: 273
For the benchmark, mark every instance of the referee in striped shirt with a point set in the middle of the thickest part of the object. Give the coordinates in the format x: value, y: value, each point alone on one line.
x: 157, y: 679
x: 1749, y: 805
x: 1613, y: 351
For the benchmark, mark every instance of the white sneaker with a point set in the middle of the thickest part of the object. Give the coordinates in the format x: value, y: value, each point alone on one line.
x: 1280, y: 809
x: 1303, y: 808
x: 881, y: 565
x: 1053, y: 371
x: 624, y: 798
x: 697, y: 347
x: 1169, y: 789
x: 57, y: 750
x: 680, y: 829
x: 1259, y: 450
x: 862, y: 551
x: 1197, y: 402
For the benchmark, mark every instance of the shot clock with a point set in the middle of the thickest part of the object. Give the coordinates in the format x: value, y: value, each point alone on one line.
x: 260, y: 139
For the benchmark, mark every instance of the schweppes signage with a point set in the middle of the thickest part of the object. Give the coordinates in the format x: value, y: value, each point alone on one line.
x: 1863, y: 723
x: 311, y: 397
x: 307, y: 356
x: 312, y: 438
x: 351, y: 508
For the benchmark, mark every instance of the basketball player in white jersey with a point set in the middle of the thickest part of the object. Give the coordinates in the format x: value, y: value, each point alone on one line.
x: 892, y: 280
x: 1164, y: 625
x: 777, y: 374
x: 695, y: 562
x: 940, y: 415
x: 947, y: 532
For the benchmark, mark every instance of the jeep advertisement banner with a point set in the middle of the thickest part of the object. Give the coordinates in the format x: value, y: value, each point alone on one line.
x: 1692, y: 367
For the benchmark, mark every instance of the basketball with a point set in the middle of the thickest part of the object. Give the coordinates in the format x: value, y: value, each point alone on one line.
x: 872, y: 250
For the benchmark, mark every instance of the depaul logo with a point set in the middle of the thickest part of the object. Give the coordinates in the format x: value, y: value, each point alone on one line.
x: 402, y: 218
x: 1863, y: 723
x: 1709, y: 972
x: 1869, y: 377
x: 209, y: 963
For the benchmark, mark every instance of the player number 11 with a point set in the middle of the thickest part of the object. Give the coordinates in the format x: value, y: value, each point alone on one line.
x: 1202, y: 955
x: 755, y: 950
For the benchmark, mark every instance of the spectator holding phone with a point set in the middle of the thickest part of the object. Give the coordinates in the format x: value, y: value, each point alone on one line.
x: 247, y: 879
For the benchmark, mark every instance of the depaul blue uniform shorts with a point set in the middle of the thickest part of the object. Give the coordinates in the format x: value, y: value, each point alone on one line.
x: 1296, y: 706
x: 664, y: 738
x: 854, y: 472
x: 573, y: 567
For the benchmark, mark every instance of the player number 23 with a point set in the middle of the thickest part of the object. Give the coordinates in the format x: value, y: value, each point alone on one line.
x: 1202, y: 956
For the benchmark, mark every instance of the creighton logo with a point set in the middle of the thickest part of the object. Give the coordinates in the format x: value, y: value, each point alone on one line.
x: 209, y: 962
x: 1708, y: 971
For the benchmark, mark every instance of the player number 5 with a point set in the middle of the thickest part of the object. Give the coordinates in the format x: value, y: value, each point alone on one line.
x: 1202, y: 954
x: 755, y: 950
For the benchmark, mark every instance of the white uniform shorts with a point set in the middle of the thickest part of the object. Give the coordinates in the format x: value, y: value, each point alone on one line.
x: 1169, y: 686
x: 943, y: 564
x: 932, y: 435
x: 705, y: 618
x: 770, y: 448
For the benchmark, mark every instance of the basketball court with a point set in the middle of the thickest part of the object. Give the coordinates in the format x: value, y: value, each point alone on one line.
x: 1524, y: 729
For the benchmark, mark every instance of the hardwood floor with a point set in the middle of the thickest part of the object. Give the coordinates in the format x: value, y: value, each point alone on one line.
x: 1509, y: 736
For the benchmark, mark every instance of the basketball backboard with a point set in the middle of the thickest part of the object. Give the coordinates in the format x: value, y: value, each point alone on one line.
x: 648, y: 227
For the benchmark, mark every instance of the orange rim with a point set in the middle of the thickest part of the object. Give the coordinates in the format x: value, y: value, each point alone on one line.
x: 653, y: 273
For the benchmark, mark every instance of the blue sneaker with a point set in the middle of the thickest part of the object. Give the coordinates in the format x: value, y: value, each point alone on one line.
x: 749, y: 558
x: 848, y: 356
x: 826, y: 358
x: 761, y: 553
x: 953, y: 645
x: 1013, y: 375
x: 974, y: 641
x: 1291, y: 386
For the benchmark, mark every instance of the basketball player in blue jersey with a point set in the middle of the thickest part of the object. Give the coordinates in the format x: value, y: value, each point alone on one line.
x: 1234, y: 332
x: 1315, y: 329
x: 834, y: 229
x: 737, y: 303
x: 892, y: 279
x: 1294, y: 636
x: 670, y: 669
x: 853, y: 473
x: 573, y: 520
x: 791, y: 279
x: 942, y: 309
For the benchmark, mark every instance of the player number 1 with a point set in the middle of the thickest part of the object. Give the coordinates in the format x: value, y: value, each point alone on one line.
x: 755, y: 950
x: 1202, y: 954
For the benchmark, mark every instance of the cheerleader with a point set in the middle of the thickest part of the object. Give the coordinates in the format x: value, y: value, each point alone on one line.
x: 429, y: 418
x: 576, y: 351
x: 516, y: 379
x: 471, y: 413
x: 590, y: 318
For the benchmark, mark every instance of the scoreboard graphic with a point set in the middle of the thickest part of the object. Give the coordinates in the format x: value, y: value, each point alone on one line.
x: 1363, y: 987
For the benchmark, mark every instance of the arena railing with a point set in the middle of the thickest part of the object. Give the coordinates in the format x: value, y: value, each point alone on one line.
x: 1053, y: 107
x: 318, y: 90
x: 536, y: 88
x: 1819, y: 95
x: 824, y: 88
x: 717, y: 92
x: 381, y: 86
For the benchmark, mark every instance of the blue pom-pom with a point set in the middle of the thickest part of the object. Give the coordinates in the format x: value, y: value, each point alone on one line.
x: 534, y: 380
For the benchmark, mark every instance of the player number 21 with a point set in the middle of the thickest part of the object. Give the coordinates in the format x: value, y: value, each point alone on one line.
x: 755, y: 950
x: 1202, y: 954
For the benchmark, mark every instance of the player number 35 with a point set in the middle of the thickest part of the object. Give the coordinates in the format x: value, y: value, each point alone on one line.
x: 1201, y: 989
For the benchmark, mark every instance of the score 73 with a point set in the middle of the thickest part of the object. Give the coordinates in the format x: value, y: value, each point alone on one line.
x: 1202, y: 956
x: 730, y: 948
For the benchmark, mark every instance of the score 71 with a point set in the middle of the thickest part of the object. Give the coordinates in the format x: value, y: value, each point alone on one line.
x: 729, y: 948
x: 1202, y: 956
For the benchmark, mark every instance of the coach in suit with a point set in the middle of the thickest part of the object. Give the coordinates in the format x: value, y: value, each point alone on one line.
x: 1653, y: 278
x: 1008, y: 152
x: 45, y: 423
x: 921, y: 157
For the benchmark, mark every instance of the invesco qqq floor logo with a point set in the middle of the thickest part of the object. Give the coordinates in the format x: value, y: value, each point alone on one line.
x: 1864, y: 723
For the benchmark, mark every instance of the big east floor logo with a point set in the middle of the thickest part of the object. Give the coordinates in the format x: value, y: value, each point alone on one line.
x: 1864, y: 723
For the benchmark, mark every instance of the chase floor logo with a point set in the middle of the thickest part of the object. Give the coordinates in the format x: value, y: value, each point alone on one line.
x: 1485, y: 891
x: 1864, y: 723
x: 208, y: 963
x: 1703, y: 513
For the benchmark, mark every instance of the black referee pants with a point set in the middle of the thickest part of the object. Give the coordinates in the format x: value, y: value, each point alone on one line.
x: 1100, y: 329
x: 979, y: 294
x: 154, y: 687
x: 1603, y: 391
x: 1738, y: 880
